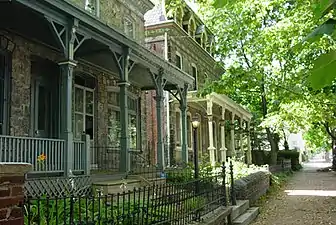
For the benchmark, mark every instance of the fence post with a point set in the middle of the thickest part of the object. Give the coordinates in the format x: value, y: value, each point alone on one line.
x: 224, y: 183
x: 87, y: 156
x: 233, y: 194
x: 12, y: 176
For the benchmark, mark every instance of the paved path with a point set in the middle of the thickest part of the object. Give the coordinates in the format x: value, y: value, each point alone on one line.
x: 309, y: 198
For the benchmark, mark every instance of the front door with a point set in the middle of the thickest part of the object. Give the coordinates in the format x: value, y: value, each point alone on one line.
x: 42, y: 108
x: 45, y: 99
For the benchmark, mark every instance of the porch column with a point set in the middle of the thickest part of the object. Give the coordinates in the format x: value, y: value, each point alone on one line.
x: 123, y: 65
x: 232, y: 134
x: 184, y: 136
x: 223, y: 148
x: 159, y: 103
x: 249, y: 153
x: 66, y: 112
x: 241, y: 124
x: 211, y: 147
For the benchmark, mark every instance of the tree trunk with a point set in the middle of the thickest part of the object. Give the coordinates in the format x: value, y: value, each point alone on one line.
x: 333, y: 167
x: 270, y: 138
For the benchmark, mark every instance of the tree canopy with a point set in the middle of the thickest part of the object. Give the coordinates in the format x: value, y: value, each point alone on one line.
x: 270, y: 64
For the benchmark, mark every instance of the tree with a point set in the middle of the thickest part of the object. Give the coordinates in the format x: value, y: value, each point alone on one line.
x: 254, y: 44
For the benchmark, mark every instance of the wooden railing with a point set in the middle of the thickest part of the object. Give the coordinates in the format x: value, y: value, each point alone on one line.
x: 79, y: 156
x: 46, y: 155
x: 43, y: 154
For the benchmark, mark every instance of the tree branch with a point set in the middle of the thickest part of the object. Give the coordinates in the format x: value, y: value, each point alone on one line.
x: 244, y: 55
x: 326, y: 126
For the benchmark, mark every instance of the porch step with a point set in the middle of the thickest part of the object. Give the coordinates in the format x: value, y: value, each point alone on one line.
x: 240, y: 208
x: 247, y: 217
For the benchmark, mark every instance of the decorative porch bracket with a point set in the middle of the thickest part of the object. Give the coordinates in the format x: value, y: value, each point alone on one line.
x: 124, y: 67
x: 69, y: 42
x: 160, y: 83
x: 68, y: 35
x: 181, y: 96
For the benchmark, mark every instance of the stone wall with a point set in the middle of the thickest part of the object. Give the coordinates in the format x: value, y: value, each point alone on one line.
x: 114, y: 12
x: 20, y: 113
x: 11, y: 192
x: 253, y: 186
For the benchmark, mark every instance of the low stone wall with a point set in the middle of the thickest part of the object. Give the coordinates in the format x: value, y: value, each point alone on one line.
x: 12, y: 176
x: 253, y: 186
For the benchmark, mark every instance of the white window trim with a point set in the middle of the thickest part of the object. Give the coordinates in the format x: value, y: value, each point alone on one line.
x: 181, y: 59
x: 84, y: 113
x: 192, y: 20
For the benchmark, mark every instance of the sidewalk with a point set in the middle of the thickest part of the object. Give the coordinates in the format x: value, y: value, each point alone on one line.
x: 308, y: 199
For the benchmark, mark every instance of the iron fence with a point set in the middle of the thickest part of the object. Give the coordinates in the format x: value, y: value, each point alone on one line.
x: 164, y: 204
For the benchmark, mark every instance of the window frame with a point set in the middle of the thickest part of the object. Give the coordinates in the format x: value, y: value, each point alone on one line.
x: 181, y: 60
x: 193, y: 66
x: 126, y: 20
x: 131, y: 113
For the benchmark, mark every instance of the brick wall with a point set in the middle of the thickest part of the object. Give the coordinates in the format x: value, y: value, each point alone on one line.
x: 11, y: 192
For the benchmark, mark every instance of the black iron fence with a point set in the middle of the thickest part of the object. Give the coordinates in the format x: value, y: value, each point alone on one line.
x: 170, y: 203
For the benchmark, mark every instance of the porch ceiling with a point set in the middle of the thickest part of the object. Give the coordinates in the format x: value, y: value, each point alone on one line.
x: 29, y: 19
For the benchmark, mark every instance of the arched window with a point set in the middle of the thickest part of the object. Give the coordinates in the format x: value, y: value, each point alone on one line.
x: 179, y: 16
x: 192, y: 27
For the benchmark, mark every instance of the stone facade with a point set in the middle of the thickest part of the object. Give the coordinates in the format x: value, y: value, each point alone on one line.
x: 115, y: 13
x: 168, y: 38
x: 21, y: 90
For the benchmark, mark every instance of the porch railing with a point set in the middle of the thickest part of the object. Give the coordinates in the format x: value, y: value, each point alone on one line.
x: 29, y: 149
x: 46, y: 155
x: 79, y: 156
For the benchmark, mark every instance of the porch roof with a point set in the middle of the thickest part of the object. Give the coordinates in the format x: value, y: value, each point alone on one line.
x: 223, y: 101
x: 103, y: 41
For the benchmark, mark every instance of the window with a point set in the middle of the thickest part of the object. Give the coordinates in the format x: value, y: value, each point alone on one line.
x: 192, y: 28
x: 178, y: 127
x: 84, y: 106
x: 114, y: 124
x: 179, y: 16
x: 178, y: 60
x: 129, y: 27
x: 90, y: 5
x: 194, y: 74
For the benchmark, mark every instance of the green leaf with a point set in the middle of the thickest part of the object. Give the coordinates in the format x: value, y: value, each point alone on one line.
x: 221, y: 3
x: 327, y: 28
x: 323, y: 73
x: 323, y: 7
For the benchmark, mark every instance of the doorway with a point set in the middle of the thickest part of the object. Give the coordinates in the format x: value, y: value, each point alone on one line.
x: 45, y: 99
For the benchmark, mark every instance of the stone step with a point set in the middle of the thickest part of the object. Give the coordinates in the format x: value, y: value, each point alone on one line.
x: 240, y: 208
x: 247, y: 217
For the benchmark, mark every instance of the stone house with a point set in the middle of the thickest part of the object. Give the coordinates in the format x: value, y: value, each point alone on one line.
x: 74, y: 76
x: 175, y: 32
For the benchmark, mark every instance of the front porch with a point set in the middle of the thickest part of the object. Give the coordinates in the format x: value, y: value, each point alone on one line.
x: 28, y: 149
x: 223, y: 131
x: 73, y: 87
